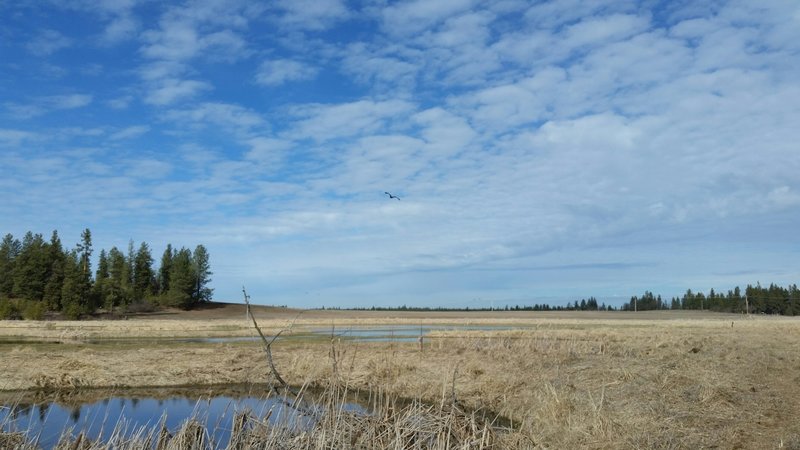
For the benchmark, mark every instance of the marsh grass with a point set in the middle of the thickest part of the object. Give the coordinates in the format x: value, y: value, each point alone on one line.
x: 326, y: 422
x: 563, y: 383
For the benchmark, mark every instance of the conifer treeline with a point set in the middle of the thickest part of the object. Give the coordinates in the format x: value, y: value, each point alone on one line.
x: 38, y: 276
x: 755, y: 300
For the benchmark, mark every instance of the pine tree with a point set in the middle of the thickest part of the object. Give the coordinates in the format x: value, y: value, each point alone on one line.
x: 165, y: 269
x: 10, y: 249
x: 182, y: 280
x: 55, y: 280
x: 130, y: 262
x: 202, y: 272
x: 102, y: 281
x: 118, y: 290
x: 142, y: 273
x: 74, y: 288
x: 30, y: 268
x: 85, y: 252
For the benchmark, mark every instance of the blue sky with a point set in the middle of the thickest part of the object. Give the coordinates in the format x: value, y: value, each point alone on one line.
x: 543, y: 151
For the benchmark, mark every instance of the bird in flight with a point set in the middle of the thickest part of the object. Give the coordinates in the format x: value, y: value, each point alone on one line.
x: 392, y: 196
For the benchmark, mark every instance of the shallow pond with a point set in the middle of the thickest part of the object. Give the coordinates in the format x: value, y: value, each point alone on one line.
x: 365, y: 333
x: 368, y: 333
x: 46, y: 421
x: 400, y: 333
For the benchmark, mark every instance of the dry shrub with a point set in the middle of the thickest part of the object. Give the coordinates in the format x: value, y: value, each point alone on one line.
x: 14, y: 441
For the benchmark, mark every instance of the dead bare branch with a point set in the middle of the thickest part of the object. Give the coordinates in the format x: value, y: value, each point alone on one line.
x: 268, y: 345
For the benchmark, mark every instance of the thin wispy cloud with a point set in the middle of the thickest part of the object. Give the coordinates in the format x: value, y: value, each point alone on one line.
x: 280, y: 71
x: 167, y: 91
x: 47, y: 42
x: 541, y: 150
x: 312, y: 15
x: 44, y: 105
x: 130, y: 132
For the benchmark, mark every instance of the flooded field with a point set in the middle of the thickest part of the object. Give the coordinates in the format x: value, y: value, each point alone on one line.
x: 365, y: 333
x: 133, y: 412
x: 668, y: 380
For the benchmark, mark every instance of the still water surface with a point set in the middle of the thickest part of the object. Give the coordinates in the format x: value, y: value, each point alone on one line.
x: 378, y: 333
x: 47, y: 421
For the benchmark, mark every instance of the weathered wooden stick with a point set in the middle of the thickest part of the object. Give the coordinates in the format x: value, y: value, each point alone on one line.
x: 267, y: 345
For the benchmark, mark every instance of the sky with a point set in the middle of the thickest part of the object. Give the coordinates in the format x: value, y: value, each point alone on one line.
x: 542, y: 151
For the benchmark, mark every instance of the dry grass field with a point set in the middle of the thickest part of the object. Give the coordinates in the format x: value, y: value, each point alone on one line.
x: 565, y: 380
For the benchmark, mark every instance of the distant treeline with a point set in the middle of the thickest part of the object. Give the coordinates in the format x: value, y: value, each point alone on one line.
x: 583, y: 305
x: 37, y: 276
x: 755, y: 300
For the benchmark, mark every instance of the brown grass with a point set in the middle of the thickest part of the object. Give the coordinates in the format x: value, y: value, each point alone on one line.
x: 390, y: 425
x: 564, y: 382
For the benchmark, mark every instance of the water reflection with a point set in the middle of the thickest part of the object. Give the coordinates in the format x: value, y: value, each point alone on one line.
x: 378, y: 333
x: 400, y: 333
x: 45, y: 422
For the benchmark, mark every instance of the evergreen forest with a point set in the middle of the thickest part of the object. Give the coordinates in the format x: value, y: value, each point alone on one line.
x: 40, y: 277
x: 756, y: 299
x: 775, y: 300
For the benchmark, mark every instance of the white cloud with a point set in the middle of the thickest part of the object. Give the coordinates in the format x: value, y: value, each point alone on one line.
x: 48, y: 42
x: 445, y: 133
x: 553, y: 15
x: 120, y: 102
x: 411, y: 17
x: 158, y: 70
x: 70, y: 101
x: 516, y: 132
x: 465, y: 29
x: 53, y: 70
x: 587, y: 134
x: 599, y: 31
x: 117, y: 17
x: 784, y: 196
x: 693, y: 28
x: 49, y: 104
x: 13, y: 138
x: 130, y: 132
x: 170, y: 90
x: 173, y: 41
x: 92, y: 69
x: 380, y: 66
x: 267, y: 150
x: 228, y: 117
x: 323, y: 122
x: 312, y: 14
x: 374, y: 163
x: 207, y: 30
x: 194, y: 31
x: 529, y: 100
x: 147, y: 169
x: 225, y: 46
x: 121, y: 28
x: 279, y: 71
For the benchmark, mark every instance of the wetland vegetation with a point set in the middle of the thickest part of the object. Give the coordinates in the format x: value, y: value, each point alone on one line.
x: 653, y: 379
